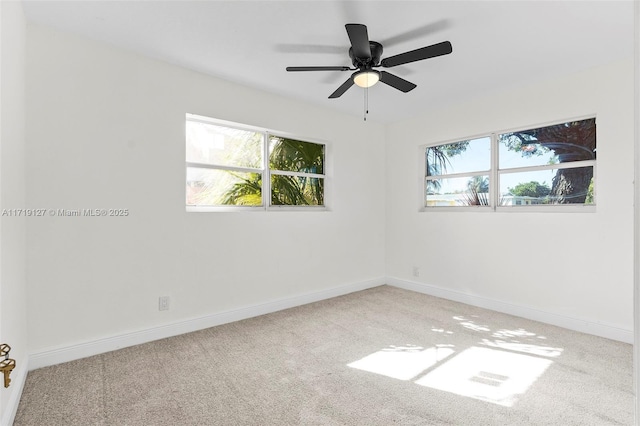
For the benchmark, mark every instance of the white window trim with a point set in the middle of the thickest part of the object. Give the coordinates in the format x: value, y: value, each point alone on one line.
x: 494, y: 175
x: 266, y: 172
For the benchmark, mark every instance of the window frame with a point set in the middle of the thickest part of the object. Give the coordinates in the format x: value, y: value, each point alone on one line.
x: 471, y: 174
x: 277, y: 172
x: 495, y: 173
x: 265, y: 171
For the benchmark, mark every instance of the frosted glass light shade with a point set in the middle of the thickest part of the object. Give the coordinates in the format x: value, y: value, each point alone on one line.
x: 366, y: 78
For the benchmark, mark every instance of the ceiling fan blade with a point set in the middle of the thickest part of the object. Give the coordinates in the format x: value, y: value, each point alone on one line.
x: 396, y: 82
x: 346, y: 85
x: 425, y: 30
x: 432, y: 51
x: 318, y: 68
x: 359, y: 40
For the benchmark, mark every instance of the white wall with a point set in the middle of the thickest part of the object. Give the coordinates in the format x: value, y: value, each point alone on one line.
x: 13, y: 285
x: 106, y: 130
x: 567, y: 265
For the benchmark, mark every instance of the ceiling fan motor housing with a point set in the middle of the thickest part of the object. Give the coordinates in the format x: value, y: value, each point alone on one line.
x: 374, y: 60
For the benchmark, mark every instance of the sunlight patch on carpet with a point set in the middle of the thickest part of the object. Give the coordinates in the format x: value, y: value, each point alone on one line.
x: 490, y: 375
x: 402, y: 362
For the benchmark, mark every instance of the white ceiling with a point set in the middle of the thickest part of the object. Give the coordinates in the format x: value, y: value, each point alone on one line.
x: 496, y: 44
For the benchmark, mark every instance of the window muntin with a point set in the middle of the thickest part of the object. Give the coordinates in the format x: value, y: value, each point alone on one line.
x: 227, y: 165
x: 550, y: 165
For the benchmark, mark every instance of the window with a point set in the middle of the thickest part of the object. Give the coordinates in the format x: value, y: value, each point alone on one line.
x: 234, y: 165
x: 297, y: 172
x: 548, y: 165
x: 543, y: 166
x: 458, y: 173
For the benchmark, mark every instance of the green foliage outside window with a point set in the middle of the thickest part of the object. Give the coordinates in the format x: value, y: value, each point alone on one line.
x: 531, y: 189
x: 225, y: 167
x: 522, y: 154
x: 296, y: 156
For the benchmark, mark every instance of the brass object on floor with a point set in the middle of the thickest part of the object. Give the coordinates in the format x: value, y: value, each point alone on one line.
x: 7, y: 364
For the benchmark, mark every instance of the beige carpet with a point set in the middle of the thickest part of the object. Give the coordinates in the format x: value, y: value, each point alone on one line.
x: 378, y: 357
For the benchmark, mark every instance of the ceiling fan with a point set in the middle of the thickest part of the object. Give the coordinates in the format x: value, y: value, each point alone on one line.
x: 365, y: 56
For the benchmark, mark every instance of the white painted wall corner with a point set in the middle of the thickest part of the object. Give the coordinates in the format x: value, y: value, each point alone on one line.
x: 18, y: 379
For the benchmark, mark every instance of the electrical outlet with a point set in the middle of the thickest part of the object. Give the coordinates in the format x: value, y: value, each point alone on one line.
x: 416, y: 271
x: 163, y: 303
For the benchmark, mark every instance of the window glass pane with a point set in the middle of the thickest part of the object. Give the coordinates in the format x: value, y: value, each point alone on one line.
x: 208, y: 187
x: 557, y: 186
x: 223, y: 146
x: 460, y: 157
x: 461, y: 191
x: 295, y: 156
x: 560, y: 143
x: 296, y: 191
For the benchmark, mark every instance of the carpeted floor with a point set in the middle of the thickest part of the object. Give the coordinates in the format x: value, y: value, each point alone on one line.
x: 377, y: 357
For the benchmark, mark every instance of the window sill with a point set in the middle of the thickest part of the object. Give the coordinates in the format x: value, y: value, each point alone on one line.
x: 516, y: 209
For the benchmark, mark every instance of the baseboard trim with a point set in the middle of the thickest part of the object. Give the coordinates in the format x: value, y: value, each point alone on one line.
x: 18, y: 379
x: 585, y: 326
x: 58, y: 355
x: 62, y: 354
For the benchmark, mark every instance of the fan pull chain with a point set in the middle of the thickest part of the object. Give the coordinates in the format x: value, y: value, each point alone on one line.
x: 366, y: 103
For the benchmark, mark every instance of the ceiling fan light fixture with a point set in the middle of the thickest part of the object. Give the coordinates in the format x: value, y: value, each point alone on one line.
x: 365, y: 54
x: 366, y: 78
